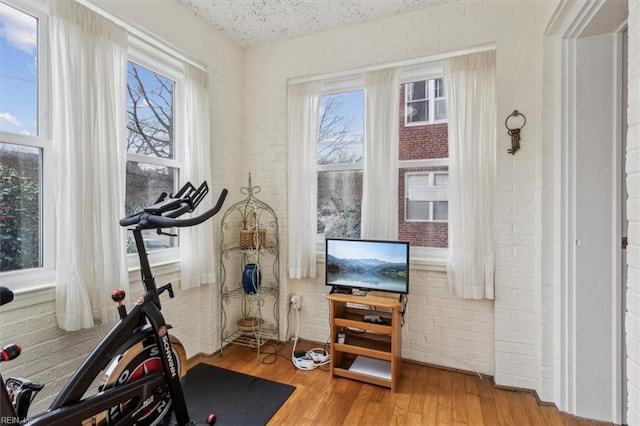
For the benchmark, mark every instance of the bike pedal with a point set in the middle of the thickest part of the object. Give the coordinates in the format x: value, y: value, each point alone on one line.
x: 16, y: 384
x: 21, y: 393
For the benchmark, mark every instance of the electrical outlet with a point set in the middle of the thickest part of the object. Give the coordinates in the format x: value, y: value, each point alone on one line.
x: 296, y: 301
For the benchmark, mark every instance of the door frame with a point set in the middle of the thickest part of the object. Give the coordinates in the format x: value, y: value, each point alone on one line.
x: 572, y: 23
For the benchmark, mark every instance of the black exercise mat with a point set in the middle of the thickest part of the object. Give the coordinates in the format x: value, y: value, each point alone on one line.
x: 236, y: 398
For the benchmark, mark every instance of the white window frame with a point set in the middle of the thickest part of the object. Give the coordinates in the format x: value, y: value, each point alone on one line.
x: 42, y: 277
x: 335, y: 87
x: 146, y: 54
x: 424, y: 256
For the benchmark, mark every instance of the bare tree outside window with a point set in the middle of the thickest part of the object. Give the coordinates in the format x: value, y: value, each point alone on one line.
x: 149, y: 113
x: 337, y: 144
x: 150, y: 143
x: 340, y: 155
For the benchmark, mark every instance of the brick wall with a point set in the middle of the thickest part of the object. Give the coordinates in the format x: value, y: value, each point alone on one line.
x: 513, y: 346
x: 439, y: 328
x: 50, y: 355
x: 420, y: 142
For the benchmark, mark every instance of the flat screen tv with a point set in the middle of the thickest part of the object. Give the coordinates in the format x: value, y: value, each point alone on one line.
x: 367, y: 265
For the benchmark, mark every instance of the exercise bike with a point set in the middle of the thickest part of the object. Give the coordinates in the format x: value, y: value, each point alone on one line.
x: 140, y: 362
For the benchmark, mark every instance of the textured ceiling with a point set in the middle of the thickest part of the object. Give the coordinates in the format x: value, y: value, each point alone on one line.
x: 256, y: 22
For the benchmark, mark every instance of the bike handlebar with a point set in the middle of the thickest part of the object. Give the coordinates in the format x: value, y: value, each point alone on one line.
x: 168, y: 219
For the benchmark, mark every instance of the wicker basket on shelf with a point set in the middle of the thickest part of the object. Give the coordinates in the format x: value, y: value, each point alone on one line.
x: 249, y: 324
x: 249, y: 238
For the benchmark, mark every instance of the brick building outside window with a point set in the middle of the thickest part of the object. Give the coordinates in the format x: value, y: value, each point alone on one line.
x: 422, y: 192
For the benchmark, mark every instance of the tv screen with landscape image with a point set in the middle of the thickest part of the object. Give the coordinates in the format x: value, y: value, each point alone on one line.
x: 367, y: 265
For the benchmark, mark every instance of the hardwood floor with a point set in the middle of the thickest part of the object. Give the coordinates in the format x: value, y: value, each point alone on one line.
x: 426, y: 395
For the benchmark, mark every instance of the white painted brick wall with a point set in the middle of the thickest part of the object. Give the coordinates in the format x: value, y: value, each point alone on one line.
x: 632, y: 321
x: 50, y: 355
x: 439, y: 329
x: 516, y: 28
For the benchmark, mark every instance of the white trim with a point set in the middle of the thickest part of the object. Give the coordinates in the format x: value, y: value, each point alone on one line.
x: 22, y: 280
x: 428, y: 162
x: 23, y: 298
x: 32, y: 295
x: 421, y: 71
x: 340, y: 167
x: 427, y: 60
x: 138, y: 34
x: 157, y: 161
x: 618, y: 309
x: 423, y: 123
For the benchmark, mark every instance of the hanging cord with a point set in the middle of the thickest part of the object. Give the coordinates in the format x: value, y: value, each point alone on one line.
x: 277, y: 347
x: 307, y: 360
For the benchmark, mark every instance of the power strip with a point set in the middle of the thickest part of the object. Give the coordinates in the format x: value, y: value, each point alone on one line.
x: 316, y: 357
x: 304, y: 363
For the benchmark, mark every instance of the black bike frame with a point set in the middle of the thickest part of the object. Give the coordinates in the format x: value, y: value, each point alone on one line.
x: 143, y: 320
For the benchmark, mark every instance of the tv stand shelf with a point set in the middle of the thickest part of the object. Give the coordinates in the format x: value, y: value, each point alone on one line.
x: 375, y: 341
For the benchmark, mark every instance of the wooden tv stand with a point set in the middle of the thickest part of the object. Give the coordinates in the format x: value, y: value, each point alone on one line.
x: 380, y: 340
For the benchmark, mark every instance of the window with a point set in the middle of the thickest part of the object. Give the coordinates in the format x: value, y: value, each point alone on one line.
x: 423, y: 160
x: 152, y: 156
x: 340, y: 158
x: 25, y: 210
x: 425, y: 102
x: 423, y: 175
x: 426, y: 197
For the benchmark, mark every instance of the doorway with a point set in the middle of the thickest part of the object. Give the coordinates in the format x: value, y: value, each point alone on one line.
x: 589, y: 366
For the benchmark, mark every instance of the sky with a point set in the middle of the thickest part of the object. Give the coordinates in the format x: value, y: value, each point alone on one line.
x: 352, y: 106
x: 18, y: 84
x: 18, y: 72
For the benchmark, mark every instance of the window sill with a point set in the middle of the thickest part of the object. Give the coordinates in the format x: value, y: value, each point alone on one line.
x: 26, y: 295
x: 429, y: 264
x: 30, y: 296
x: 424, y: 123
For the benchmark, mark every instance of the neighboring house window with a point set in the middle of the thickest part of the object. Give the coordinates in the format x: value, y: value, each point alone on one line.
x: 424, y: 172
x: 26, y: 235
x: 340, y: 157
x: 425, y: 102
x: 153, y: 164
x: 426, y: 197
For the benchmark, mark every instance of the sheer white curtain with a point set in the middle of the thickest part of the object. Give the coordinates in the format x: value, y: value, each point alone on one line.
x: 196, y: 243
x: 303, y: 101
x: 88, y: 67
x: 380, y: 179
x: 471, y: 109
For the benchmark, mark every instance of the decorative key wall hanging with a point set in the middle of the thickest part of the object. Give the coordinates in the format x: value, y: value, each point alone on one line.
x: 514, y: 131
